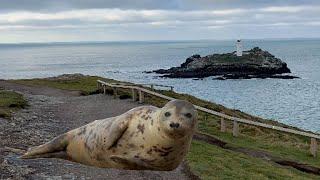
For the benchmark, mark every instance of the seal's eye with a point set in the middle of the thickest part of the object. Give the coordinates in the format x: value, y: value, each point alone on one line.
x: 188, y: 115
x: 167, y: 114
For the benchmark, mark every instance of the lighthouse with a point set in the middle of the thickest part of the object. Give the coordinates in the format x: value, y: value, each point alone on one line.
x: 239, y: 47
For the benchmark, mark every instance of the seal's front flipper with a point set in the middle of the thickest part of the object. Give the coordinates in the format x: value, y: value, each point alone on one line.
x: 54, y: 148
x: 116, y: 130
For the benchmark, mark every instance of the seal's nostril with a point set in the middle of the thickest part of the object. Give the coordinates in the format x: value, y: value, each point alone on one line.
x: 174, y: 125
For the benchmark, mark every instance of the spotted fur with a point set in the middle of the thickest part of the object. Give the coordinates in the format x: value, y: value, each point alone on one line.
x: 141, y: 138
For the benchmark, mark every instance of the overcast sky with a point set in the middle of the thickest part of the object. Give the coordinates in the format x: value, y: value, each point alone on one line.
x: 127, y: 20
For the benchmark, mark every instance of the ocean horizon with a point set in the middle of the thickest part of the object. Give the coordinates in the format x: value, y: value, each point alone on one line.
x: 294, y: 102
x: 157, y: 41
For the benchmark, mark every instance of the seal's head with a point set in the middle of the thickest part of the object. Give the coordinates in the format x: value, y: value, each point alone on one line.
x: 178, y: 118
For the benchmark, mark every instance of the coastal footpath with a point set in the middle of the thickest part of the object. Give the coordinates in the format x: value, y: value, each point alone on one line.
x: 254, y: 63
x: 41, y: 109
x: 50, y: 112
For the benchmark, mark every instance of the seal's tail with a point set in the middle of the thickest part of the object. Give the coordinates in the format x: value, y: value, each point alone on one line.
x: 54, y: 148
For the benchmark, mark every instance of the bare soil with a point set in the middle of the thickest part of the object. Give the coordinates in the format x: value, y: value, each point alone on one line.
x: 50, y: 113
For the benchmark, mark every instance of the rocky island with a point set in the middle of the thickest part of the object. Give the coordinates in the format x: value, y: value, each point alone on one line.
x: 254, y: 63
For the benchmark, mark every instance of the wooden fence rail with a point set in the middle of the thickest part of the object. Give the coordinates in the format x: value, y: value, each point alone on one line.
x: 157, y: 85
x: 141, y: 91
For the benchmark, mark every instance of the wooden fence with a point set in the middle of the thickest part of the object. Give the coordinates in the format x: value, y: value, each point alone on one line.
x: 138, y: 91
x: 152, y: 86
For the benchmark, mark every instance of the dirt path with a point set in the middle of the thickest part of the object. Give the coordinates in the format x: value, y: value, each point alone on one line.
x: 52, y: 112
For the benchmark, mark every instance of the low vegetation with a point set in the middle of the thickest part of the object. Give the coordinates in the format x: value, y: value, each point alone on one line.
x: 209, y: 161
x: 86, y: 84
x: 9, y: 102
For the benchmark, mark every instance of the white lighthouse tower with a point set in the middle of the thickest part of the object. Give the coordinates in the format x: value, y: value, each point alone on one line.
x: 239, y: 47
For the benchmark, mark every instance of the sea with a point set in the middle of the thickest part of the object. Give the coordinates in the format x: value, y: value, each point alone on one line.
x: 295, y: 102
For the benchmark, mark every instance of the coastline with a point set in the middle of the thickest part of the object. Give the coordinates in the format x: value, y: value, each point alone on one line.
x: 252, y: 139
x: 254, y: 96
x: 91, y: 89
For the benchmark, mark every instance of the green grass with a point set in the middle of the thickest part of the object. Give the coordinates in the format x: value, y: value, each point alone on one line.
x: 279, y: 144
x: 211, y: 162
x: 9, y: 102
x: 87, y: 84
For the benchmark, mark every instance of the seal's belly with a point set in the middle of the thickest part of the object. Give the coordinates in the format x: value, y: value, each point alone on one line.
x: 148, y: 158
x: 79, y: 152
x: 143, y: 153
x: 129, y: 156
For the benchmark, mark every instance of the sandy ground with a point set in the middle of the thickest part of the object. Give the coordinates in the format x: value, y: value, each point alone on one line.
x: 52, y: 112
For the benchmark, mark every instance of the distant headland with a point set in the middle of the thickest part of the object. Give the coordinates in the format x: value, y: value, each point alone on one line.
x: 254, y: 63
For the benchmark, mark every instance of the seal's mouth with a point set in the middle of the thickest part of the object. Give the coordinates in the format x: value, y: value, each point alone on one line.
x: 176, y: 130
x: 179, y: 134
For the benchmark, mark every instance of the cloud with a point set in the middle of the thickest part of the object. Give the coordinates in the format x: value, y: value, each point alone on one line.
x: 98, y: 17
x: 110, y: 16
x: 58, y: 5
x: 290, y: 9
x: 231, y: 18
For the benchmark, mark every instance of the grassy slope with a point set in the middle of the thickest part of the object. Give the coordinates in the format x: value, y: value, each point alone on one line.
x: 9, y: 102
x: 280, y: 144
x: 211, y: 162
x: 87, y: 85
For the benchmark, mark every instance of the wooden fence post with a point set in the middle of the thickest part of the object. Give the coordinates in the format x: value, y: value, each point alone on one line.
x: 235, y: 130
x: 115, y: 92
x: 104, y: 89
x: 141, y: 96
x: 98, y: 86
x: 222, y: 125
x: 134, y: 95
x: 313, y: 147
